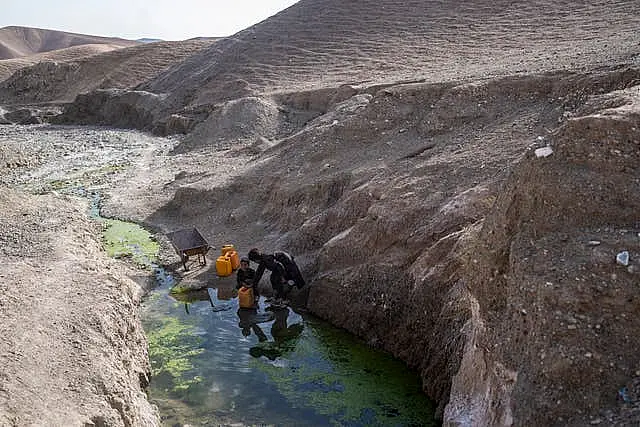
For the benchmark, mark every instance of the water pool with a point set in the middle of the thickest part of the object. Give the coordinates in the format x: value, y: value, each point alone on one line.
x: 214, y: 364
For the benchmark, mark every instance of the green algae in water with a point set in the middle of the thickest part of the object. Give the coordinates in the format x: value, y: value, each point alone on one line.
x: 77, y: 183
x: 172, y: 346
x: 307, y: 374
x: 343, y: 379
x: 124, y: 239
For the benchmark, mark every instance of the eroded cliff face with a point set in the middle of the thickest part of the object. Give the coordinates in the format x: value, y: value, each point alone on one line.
x: 556, y: 305
x: 400, y: 244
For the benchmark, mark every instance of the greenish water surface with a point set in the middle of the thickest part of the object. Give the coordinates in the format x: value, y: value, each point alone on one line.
x: 214, y: 364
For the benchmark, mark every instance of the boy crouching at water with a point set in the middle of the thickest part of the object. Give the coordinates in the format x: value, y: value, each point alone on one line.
x: 245, y: 277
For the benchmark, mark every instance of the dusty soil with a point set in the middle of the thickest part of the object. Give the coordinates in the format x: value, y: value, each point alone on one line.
x: 392, y: 148
x: 73, y: 351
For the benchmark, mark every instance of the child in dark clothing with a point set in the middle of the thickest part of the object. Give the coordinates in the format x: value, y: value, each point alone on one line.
x: 245, y: 276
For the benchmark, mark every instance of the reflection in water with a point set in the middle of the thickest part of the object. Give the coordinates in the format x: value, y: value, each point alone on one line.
x: 283, y: 337
x: 249, y: 321
x: 271, y: 367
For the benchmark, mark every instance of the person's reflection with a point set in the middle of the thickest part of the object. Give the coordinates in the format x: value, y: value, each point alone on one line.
x: 284, y: 337
x: 249, y: 322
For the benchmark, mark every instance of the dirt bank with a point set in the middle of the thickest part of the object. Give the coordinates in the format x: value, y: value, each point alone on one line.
x: 72, y: 349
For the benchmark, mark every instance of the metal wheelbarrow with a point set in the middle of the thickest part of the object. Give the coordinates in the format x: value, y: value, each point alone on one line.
x: 188, y: 243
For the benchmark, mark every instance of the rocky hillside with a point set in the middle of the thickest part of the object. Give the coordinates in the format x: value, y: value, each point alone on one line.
x: 327, y: 43
x: 10, y: 66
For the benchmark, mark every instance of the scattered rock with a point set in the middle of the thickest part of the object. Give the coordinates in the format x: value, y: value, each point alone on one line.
x: 623, y: 258
x: 544, y: 152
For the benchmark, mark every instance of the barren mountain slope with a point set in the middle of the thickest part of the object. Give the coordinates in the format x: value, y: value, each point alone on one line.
x: 62, y: 75
x: 9, y: 66
x: 16, y: 41
x: 320, y: 43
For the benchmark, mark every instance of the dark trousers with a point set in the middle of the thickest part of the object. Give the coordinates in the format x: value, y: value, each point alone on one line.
x: 277, y: 283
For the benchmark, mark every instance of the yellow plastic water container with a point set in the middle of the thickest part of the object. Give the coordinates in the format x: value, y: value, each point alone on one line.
x: 223, y: 266
x: 245, y: 297
x: 226, y: 248
x: 235, y: 259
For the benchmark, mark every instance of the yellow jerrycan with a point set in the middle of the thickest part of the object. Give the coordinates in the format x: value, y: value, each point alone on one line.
x: 226, y: 248
x: 235, y: 259
x: 223, y: 266
x: 245, y: 297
